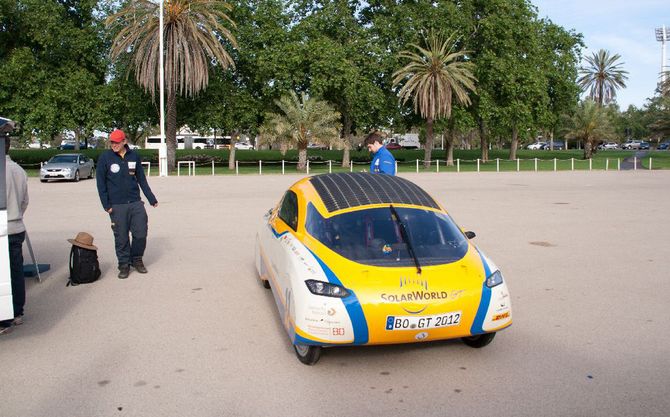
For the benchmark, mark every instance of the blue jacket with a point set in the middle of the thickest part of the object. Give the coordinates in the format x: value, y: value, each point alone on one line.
x: 383, y: 162
x: 115, y: 183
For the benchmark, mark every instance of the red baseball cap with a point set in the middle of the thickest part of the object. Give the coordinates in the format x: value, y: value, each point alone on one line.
x: 117, y: 135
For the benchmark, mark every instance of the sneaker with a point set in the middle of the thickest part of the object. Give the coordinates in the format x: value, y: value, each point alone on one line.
x: 139, y: 266
x: 18, y: 321
x: 5, y: 330
x: 124, y: 271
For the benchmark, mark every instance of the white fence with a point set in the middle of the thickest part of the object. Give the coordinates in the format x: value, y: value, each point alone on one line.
x: 418, y: 165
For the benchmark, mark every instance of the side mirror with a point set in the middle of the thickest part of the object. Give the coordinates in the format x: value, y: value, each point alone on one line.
x: 470, y: 234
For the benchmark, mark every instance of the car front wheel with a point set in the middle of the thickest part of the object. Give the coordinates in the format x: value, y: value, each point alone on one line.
x: 480, y: 340
x: 76, y: 176
x: 307, y: 354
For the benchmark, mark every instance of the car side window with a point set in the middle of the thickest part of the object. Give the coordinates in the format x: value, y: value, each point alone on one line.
x: 288, y: 211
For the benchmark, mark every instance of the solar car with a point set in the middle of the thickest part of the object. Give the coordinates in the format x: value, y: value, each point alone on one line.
x: 370, y: 259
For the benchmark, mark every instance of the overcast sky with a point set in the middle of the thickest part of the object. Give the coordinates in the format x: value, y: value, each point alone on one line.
x: 619, y: 26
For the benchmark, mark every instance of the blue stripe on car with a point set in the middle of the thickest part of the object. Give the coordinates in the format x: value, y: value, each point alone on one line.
x: 352, y: 305
x: 477, y: 325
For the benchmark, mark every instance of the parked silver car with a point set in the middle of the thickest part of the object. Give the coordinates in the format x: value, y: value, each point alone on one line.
x: 67, y: 166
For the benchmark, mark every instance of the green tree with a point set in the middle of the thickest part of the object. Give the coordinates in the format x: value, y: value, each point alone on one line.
x: 341, y: 62
x: 195, y: 32
x: 52, y: 65
x: 434, y: 76
x: 303, y: 120
x: 602, y: 76
x: 589, y: 124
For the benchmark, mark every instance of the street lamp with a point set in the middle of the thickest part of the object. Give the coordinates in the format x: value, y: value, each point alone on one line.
x: 662, y: 35
x: 162, y: 150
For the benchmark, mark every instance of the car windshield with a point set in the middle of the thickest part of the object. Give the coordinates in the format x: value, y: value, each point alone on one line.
x: 64, y: 159
x: 372, y: 237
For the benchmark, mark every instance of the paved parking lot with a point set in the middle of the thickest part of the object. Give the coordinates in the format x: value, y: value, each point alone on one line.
x: 585, y: 254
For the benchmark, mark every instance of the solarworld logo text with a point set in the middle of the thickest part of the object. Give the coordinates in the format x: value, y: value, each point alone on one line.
x: 414, y: 295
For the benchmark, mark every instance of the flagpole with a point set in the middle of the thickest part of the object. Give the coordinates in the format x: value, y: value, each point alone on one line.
x: 162, y: 150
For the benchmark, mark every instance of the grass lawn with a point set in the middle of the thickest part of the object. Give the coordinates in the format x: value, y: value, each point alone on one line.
x: 464, y: 161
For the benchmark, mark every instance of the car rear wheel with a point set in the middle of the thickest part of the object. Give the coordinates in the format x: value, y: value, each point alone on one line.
x: 480, y: 340
x: 76, y: 176
x: 91, y: 173
x: 309, y: 355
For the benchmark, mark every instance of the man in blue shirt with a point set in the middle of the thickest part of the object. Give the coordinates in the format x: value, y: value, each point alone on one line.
x: 120, y: 176
x: 383, y: 161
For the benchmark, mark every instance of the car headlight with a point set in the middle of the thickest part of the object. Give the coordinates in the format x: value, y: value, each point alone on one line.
x: 326, y: 289
x: 67, y: 170
x: 494, y: 279
x: 43, y: 171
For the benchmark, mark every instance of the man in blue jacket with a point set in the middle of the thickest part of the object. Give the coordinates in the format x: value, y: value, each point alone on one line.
x: 120, y: 176
x: 383, y: 161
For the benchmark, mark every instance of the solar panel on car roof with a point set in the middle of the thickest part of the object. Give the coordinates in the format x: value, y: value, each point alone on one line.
x: 344, y: 190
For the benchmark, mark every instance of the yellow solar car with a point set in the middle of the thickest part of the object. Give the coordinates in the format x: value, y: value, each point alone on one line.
x: 367, y: 259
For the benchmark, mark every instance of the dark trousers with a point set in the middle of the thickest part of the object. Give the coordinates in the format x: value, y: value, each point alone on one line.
x: 16, y: 272
x: 129, y: 219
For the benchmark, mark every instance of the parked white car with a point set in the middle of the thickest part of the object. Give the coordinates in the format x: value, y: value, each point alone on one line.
x: 37, y: 145
x: 609, y: 145
x: 536, y: 146
x: 243, y: 145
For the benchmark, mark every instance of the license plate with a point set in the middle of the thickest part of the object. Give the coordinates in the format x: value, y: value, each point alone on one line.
x: 423, y: 322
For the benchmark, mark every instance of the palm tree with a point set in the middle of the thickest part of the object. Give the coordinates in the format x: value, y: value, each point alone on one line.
x: 602, y: 77
x: 193, y: 32
x: 590, y: 123
x: 432, y: 78
x: 302, y: 120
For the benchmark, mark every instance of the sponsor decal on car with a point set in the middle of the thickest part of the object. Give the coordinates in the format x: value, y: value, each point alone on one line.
x: 415, y: 295
x: 501, y: 316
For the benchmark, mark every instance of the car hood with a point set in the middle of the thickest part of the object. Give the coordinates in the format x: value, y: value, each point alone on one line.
x: 59, y: 165
x: 382, y: 292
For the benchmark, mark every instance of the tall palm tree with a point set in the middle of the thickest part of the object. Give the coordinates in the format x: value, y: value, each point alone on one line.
x: 602, y: 76
x: 194, y: 32
x: 302, y: 120
x: 434, y: 76
x: 590, y: 123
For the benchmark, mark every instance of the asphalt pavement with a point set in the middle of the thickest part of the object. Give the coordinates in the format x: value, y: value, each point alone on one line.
x: 585, y: 255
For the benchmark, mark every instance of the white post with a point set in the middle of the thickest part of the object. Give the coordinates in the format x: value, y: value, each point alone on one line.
x: 517, y: 165
x: 396, y: 167
x: 458, y: 165
x: 162, y: 150
x: 237, y: 167
x: 437, y: 161
x: 497, y: 164
x: 649, y: 164
x: 635, y: 163
x: 260, y: 167
x: 607, y: 164
x: 212, y: 167
x: 572, y: 163
x: 351, y: 166
x: 330, y: 166
x: 535, y: 164
x: 590, y: 164
x: 308, y: 167
x: 417, y: 166
x: 618, y: 164
x: 477, y: 164
x: 282, y: 167
x: 555, y: 164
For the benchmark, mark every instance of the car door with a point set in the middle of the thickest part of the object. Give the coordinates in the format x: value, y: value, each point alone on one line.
x: 283, y: 225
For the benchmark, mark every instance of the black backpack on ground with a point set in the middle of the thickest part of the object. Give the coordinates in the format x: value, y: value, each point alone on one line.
x: 84, y: 266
